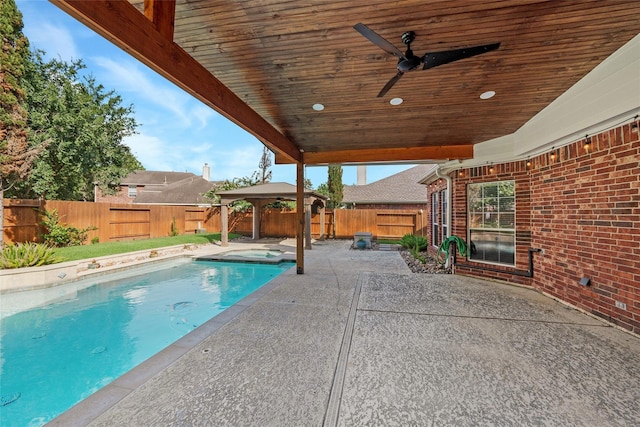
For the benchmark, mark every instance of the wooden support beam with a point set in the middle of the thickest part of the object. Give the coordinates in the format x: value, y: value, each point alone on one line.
x: 163, y: 14
x: 300, y: 217
x: 122, y: 24
x: 368, y: 155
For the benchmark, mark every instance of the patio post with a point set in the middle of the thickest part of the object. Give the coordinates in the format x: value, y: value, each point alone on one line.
x: 225, y: 225
x: 257, y: 215
x: 307, y: 226
x: 300, y: 217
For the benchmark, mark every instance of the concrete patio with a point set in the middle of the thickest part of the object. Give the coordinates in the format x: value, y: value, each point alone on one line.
x: 358, y: 340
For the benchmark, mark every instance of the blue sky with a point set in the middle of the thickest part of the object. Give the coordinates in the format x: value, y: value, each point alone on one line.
x: 176, y: 131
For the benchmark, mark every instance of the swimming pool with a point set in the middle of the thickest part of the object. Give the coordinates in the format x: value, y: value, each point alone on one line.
x: 54, y: 356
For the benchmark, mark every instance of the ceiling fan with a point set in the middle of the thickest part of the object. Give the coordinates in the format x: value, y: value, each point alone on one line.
x: 408, y: 61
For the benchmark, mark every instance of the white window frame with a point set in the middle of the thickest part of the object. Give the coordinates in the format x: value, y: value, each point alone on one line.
x: 487, y: 215
x: 132, y: 191
x: 435, y: 226
x: 444, y: 225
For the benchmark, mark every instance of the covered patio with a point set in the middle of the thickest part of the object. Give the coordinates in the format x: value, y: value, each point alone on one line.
x: 358, y: 340
x: 325, y: 83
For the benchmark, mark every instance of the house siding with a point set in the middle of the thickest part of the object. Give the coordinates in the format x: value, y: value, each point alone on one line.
x: 581, y: 207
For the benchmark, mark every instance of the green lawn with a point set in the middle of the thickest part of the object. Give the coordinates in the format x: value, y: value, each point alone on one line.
x: 73, y: 253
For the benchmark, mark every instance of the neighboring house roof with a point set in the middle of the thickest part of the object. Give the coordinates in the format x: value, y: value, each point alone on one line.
x: 154, y: 177
x: 271, y: 190
x: 403, y: 187
x: 184, y: 192
x: 168, y: 188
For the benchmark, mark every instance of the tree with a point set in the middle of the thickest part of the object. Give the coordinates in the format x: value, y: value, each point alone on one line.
x: 84, y: 125
x: 335, y: 186
x: 16, y: 156
x: 307, y: 184
x: 246, y: 181
x: 264, y: 165
x: 323, y: 189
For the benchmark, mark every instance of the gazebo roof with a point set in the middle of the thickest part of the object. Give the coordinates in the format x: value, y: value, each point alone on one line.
x: 271, y: 190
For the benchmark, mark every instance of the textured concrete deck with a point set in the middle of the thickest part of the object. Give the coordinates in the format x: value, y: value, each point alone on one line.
x: 358, y: 340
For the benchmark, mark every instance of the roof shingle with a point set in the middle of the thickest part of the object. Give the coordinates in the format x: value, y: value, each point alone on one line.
x: 403, y: 187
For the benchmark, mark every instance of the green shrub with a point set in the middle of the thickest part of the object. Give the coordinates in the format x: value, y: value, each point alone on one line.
x: 27, y: 255
x: 95, y: 240
x: 60, y: 235
x: 174, y: 228
x: 416, y: 243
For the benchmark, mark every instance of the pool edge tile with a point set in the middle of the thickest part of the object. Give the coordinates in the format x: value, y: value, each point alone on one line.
x: 90, y: 408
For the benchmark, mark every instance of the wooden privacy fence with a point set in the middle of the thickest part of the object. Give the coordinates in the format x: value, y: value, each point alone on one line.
x: 129, y: 222
x: 113, y: 221
x: 383, y: 224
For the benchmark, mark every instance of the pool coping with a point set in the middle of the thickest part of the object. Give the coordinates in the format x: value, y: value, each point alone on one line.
x: 46, y: 276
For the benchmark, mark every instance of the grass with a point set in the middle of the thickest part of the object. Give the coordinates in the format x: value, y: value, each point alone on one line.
x: 73, y: 253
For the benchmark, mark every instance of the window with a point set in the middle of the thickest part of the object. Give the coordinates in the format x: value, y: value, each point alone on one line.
x: 435, y: 229
x: 438, y: 217
x: 492, y: 222
x: 133, y: 191
x: 443, y: 213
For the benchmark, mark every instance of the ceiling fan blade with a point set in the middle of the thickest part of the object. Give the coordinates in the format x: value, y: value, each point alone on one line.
x: 378, y: 40
x: 434, y: 59
x: 389, y: 84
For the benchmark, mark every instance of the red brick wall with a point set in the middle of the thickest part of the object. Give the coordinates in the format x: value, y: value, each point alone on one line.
x: 122, y: 196
x: 581, y: 206
x: 500, y: 172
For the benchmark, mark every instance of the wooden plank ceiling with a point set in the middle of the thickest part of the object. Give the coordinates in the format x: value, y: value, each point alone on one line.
x: 280, y: 57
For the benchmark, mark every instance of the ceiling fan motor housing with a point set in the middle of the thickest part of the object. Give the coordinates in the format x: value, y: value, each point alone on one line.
x: 408, y: 37
x: 410, y: 63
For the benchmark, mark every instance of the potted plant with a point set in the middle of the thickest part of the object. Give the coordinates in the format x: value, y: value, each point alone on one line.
x: 361, y: 244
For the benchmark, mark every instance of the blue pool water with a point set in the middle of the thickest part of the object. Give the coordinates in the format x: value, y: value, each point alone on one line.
x: 54, y: 356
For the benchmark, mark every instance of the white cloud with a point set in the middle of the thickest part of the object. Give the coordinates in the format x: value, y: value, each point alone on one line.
x: 202, y: 148
x: 129, y: 76
x: 56, y: 41
x: 203, y: 114
x: 235, y: 162
x: 150, y: 151
x: 158, y: 154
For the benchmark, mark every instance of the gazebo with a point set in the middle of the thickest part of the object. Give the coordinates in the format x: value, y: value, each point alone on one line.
x: 261, y: 195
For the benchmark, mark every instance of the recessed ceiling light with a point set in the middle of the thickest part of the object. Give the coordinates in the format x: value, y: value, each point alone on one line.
x: 488, y: 94
x: 318, y: 107
x: 396, y: 101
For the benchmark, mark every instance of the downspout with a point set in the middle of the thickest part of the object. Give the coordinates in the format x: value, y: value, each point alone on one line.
x: 447, y: 179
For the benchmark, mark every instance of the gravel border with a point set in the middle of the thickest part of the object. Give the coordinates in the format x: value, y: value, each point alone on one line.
x: 431, y: 266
